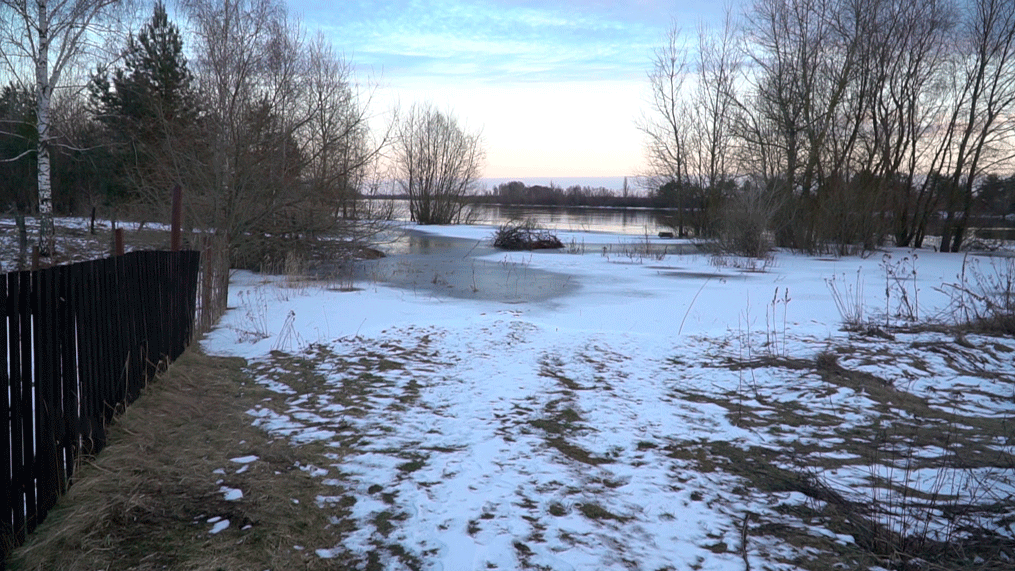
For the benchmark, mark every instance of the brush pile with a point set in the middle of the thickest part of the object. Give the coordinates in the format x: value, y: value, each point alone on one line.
x: 524, y: 235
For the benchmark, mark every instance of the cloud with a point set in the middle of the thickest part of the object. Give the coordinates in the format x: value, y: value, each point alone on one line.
x: 555, y: 85
x: 492, y: 41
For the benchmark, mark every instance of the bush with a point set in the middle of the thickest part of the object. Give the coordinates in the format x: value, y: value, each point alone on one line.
x: 983, y: 298
x: 524, y: 235
x: 743, y: 225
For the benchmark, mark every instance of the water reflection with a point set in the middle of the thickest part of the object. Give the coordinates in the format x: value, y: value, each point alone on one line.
x: 629, y: 221
x: 417, y: 243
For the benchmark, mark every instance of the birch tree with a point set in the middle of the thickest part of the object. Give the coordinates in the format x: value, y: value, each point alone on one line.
x: 40, y: 41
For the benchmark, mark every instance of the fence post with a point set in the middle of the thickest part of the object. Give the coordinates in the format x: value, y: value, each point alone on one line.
x: 118, y: 237
x: 174, y: 240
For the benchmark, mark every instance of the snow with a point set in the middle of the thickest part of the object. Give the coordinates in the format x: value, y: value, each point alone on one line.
x: 567, y: 433
x: 231, y: 494
x: 219, y: 525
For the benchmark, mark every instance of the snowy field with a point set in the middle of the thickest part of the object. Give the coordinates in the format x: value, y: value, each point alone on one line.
x: 662, y: 412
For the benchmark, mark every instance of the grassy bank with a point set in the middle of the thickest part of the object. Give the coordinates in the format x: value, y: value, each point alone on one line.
x: 151, y: 498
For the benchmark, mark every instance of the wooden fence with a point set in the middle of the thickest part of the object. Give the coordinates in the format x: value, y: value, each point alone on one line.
x: 77, y: 343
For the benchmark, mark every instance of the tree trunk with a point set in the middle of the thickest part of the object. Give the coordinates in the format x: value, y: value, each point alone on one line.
x: 44, y: 93
x: 19, y: 220
x: 959, y: 229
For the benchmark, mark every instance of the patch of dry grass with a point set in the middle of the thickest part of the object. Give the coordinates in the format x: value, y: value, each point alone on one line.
x: 145, y: 501
x: 906, y: 434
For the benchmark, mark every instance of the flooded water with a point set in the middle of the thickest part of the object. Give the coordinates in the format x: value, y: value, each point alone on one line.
x: 449, y: 267
x: 629, y: 221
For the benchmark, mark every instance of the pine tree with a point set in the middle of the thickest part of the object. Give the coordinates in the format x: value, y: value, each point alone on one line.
x: 18, y: 139
x: 153, y: 88
x: 149, y: 102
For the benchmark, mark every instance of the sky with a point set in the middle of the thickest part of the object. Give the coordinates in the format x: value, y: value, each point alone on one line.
x: 555, y: 87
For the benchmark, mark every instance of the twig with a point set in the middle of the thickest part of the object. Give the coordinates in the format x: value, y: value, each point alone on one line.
x: 686, y: 313
x: 474, y: 246
x: 743, y: 541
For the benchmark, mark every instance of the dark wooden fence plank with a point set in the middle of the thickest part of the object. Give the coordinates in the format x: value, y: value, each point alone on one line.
x: 14, y: 492
x: 164, y: 288
x: 68, y: 375
x: 6, y: 483
x: 44, y: 387
x: 27, y: 417
x: 133, y: 368
x: 88, y: 336
x: 112, y: 381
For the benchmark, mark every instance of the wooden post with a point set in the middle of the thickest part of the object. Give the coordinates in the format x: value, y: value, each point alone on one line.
x: 19, y: 219
x: 119, y: 241
x: 174, y: 239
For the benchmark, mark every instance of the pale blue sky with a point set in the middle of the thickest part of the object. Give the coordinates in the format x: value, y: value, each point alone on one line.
x: 555, y: 86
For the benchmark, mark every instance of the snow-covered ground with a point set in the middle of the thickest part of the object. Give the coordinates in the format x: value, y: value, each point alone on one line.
x: 608, y: 427
x: 75, y: 240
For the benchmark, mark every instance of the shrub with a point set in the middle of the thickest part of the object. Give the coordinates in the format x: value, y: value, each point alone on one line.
x: 983, y: 298
x: 743, y: 225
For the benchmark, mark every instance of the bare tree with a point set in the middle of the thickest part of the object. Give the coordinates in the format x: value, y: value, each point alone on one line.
x: 667, y: 126
x: 807, y: 54
x: 283, y: 141
x: 783, y: 59
x: 978, y: 133
x: 337, y: 133
x: 438, y: 164
x: 846, y: 110
x: 714, y: 116
x: 50, y: 35
x: 908, y: 51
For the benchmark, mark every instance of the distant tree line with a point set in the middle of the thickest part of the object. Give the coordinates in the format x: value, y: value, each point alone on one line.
x: 518, y: 193
x: 839, y: 124
x: 691, y: 214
